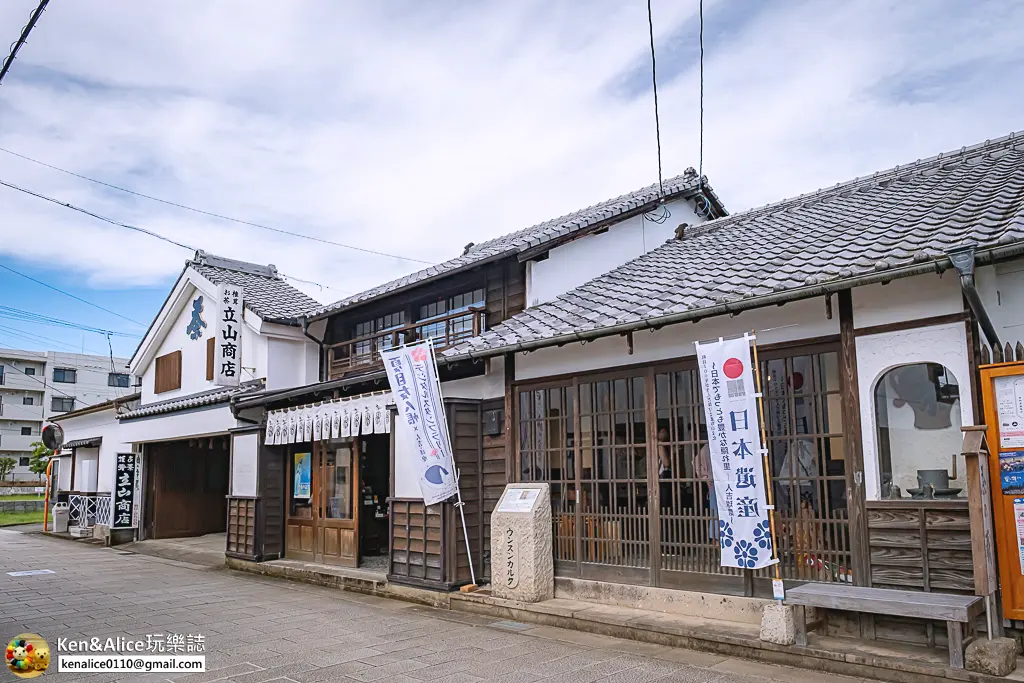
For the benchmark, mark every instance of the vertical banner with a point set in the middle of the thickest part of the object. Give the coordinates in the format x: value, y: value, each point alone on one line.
x: 125, y: 498
x: 412, y: 372
x: 734, y: 442
x: 227, y: 357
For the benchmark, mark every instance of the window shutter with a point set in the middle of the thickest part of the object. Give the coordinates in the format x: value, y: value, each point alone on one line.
x: 210, y: 350
x: 168, y: 372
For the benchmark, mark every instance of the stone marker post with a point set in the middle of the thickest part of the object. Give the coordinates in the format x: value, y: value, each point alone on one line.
x: 522, y: 560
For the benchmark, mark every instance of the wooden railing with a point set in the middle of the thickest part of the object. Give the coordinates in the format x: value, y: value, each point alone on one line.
x: 363, y: 353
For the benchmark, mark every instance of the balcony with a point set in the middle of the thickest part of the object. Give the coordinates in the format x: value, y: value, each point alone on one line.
x: 18, y: 411
x: 363, y: 353
x: 19, y: 381
x: 17, y: 442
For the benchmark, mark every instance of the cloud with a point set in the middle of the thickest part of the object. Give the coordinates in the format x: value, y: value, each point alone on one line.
x: 415, y: 128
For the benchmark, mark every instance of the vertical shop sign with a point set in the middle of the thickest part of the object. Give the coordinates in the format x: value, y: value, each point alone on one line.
x: 227, y: 360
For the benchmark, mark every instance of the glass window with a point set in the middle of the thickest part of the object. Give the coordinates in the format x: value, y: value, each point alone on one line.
x: 30, y: 371
x: 26, y: 431
x: 337, y: 478
x: 118, y: 379
x: 65, y: 375
x: 23, y: 461
x: 62, y: 405
x: 300, y: 494
x: 366, y: 350
x: 917, y: 411
x: 450, y: 329
x: 27, y: 400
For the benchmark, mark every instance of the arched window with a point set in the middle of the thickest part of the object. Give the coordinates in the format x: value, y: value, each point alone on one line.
x: 917, y: 410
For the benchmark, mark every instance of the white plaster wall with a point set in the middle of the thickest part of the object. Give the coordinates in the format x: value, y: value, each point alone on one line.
x: 489, y: 385
x: 1002, y: 291
x: 572, y: 264
x: 64, y: 473
x: 912, y: 298
x: 183, y: 425
x: 193, y: 352
x: 794, y: 321
x: 100, y: 424
x: 878, y: 353
x: 86, y: 469
x: 291, y: 363
x: 244, y: 456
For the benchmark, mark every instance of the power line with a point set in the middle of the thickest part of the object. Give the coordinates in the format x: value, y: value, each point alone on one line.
x: 97, y: 216
x: 135, y: 228
x: 39, y: 319
x: 212, y: 214
x: 654, y: 82
x: 20, y: 42
x: 76, y: 298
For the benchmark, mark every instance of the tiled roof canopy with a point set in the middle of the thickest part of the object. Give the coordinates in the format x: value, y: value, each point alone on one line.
x: 682, y: 186
x: 203, y: 398
x: 266, y: 292
x: 893, y: 223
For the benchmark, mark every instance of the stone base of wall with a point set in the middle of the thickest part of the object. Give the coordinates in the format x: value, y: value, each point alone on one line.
x: 9, y: 506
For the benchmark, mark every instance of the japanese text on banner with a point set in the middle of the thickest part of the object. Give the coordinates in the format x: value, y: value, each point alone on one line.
x: 412, y: 372
x: 734, y: 442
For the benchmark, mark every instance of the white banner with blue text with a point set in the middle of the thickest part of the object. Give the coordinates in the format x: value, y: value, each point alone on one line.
x: 734, y: 443
x: 227, y: 358
x: 412, y: 373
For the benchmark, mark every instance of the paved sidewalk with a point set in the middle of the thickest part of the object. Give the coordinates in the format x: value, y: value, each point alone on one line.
x: 259, y: 629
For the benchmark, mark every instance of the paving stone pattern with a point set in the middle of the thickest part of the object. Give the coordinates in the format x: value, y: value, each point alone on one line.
x: 261, y: 629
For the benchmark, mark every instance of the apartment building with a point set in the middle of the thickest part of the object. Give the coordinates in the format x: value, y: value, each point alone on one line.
x: 37, y: 385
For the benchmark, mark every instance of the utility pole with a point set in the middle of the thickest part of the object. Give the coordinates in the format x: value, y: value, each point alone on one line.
x: 22, y: 38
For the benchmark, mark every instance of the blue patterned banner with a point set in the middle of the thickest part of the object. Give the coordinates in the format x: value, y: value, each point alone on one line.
x: 734, y: 442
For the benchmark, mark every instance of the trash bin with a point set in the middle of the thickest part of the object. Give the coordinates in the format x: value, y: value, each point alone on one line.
x: 61, y: 515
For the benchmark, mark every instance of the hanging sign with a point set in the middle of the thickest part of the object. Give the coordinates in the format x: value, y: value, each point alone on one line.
x: 734, y: 442
x: 125, y: 499
x: 338, y: 419
x: 412, y: 373
x: 227, y: 358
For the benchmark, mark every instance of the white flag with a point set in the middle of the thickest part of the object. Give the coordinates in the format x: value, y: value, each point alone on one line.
x: 734, y: 444
x: 412, y: 372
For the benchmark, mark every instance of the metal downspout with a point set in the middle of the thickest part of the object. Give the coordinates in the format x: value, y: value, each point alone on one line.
x: 962, y: 259
x: 319, y: 349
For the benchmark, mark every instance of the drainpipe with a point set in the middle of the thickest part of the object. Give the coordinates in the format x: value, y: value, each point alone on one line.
x: 319, y: 349
x: 963, y: 260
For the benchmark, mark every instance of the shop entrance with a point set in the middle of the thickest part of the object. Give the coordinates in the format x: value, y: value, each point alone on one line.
x: 337, y: 502
x: 186, y: 487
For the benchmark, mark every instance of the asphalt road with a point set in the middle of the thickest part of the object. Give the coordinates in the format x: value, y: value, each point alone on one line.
x: 259, y: 629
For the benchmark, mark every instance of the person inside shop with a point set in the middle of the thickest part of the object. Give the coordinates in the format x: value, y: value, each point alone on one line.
x: 705, y: 476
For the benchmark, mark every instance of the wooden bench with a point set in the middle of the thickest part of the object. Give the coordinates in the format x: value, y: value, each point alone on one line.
x: 955, y: 610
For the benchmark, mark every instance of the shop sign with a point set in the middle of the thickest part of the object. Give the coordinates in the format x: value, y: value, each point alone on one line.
x: 734, y: 443
x: 412, y: 373
x: 124, y: 501
x: 342, y: 418
x: 227, y: 358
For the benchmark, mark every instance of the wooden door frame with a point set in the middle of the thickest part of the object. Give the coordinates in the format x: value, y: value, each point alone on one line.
x: 298, y: 521
x: 320, y: 521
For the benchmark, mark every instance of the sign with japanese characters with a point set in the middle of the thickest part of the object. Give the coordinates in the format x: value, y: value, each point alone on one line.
x: 412, y: 372
x: 126, y: 496
x: 734, y: 442
x: 227, y: 356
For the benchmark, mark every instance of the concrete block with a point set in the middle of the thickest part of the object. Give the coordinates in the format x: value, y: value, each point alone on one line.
x: 777, y: 624
x: 522, y: 559
x: 996, y: 657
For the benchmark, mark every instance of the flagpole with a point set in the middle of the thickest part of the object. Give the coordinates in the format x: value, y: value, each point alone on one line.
x: 769, y: 492
x: 458, y: 488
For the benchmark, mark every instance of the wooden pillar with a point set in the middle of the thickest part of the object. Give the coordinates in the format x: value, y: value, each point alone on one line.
x: 853, y: 451
x: 510, y: 407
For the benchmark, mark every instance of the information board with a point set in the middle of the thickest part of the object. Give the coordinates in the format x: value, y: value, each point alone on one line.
x: 518, y: 500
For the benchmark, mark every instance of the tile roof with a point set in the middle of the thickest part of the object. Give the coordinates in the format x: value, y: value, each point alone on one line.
x: 902, y: 218
x: 84, y: 443
x: 203, y: 398
x: 266, y: 292
x: 528, y: 238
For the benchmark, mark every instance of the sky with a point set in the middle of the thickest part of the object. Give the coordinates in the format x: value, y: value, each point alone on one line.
x: 415, y: 128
